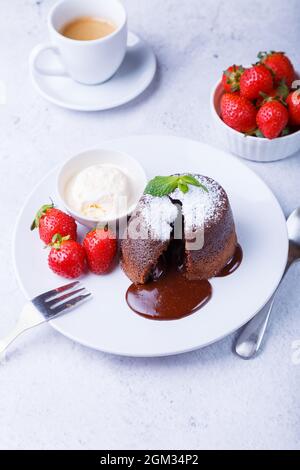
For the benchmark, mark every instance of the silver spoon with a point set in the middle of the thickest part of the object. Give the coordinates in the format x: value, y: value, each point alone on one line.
x: 249, y: 341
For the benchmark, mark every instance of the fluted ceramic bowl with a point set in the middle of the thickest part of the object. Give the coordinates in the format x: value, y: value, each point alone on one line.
x: 251, y: 148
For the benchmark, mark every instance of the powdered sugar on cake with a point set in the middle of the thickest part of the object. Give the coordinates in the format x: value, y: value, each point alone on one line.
x: 154, y: 217
x: 158, y: 213
x: 200, y: 207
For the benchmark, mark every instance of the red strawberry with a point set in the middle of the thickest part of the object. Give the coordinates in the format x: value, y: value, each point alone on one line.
x: 50, y: 221
x: 280, y: 65
x: 231, y: 78
x: 239, y: 113
x: 272, y: 118
x: 67, y: 257
x: 281, y: 92
x: 100, y: 246
x: 255, y: 80
x: 293, y: 102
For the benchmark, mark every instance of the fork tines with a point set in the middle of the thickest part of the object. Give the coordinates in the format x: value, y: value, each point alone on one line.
x: 51, y: 303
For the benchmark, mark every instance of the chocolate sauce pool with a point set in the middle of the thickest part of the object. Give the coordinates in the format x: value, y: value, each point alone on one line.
x: 170, y: 296
x: 232, y: 264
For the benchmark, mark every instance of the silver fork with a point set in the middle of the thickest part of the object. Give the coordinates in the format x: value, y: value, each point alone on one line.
x: 45, y: 307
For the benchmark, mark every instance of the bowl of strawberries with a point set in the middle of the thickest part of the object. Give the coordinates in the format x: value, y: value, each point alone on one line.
x: 256, y: 109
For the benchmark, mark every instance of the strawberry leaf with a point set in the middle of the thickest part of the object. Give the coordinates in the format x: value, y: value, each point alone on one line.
x: 286, y: 131
x: 57, y: 240
x: 255, y: 133
x: 42, y: 211
x: 283, y: 90
x: 261, y: 55
x: 259, y: 134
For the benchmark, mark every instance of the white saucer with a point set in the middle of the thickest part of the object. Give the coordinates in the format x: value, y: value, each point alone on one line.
x: 132, y: 78
x: 106, y: 322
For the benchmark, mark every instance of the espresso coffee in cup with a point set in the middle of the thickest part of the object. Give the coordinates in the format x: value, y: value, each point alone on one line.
x: 88, y: 39
x: 87, y: 28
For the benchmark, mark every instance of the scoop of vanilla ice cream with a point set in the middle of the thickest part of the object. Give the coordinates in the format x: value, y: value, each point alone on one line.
x: 98, y: 191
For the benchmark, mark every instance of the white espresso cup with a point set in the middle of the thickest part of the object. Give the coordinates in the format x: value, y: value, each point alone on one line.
x: 88, y: 62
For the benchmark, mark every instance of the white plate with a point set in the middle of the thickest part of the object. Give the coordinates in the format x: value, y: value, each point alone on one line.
x: 132, y: 78
x: 105, y: 322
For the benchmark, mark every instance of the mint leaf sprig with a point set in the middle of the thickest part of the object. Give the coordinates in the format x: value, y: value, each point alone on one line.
x: 164, y: 185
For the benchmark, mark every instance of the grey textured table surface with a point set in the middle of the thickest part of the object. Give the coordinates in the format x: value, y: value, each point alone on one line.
x: 57, y: 394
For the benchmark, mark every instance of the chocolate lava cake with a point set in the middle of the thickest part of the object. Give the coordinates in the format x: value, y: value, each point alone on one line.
x: 154, y: 220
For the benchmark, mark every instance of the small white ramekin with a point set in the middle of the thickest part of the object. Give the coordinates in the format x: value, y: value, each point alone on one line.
x: 251, y: 148
x: 130, y: 166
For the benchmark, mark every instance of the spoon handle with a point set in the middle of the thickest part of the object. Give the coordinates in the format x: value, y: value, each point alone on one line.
x: 250, y: 339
